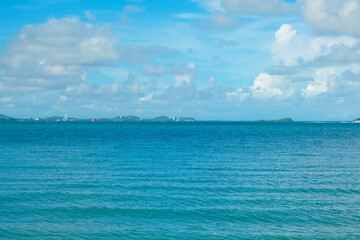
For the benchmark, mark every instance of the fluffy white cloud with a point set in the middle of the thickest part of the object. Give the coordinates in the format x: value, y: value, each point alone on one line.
x: 62, y: 41
x: 265, y: 87
x: 285, y: 34
x: 333, y: 16
x: 269, y: 86
x: 55, y: 54
x: 342, y: 82
x: 58, y: 53
x: 290, y: 49
x: 320, y: 85
x: 319, y: 67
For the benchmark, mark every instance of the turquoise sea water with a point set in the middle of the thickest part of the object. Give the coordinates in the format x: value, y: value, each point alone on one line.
x: 179, y: 181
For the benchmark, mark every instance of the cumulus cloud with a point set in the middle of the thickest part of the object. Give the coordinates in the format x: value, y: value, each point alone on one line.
x: 265, y: 87
x: 306, y: 67
x: 341, y: 82
x: 333, y: 16
x: 285, y: 34
x: 55, y: 54
x: 268, y: 86
x: 320, y: 85
x: 290, y: 49
x: 62, y: 41
x: 58, y: 53
x: 317, y: 66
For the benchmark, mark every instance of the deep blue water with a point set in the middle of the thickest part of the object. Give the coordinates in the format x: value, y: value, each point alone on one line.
x: 179, y: 181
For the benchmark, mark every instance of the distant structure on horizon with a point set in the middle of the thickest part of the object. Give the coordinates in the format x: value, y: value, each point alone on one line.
x: 66, y: 117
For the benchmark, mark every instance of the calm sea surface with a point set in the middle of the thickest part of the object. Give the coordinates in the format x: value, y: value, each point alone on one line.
x: 179, y: 181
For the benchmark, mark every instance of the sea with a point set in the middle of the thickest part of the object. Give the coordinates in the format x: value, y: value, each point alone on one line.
x: 196, y: 180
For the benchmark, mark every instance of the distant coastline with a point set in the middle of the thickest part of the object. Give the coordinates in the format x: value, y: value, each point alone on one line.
x: 122, y: 118
x: 131, y: 118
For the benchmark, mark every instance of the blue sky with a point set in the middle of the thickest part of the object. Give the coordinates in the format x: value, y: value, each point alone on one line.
x: 210, y: 59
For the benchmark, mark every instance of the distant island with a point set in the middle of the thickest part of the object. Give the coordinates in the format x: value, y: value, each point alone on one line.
x: 278, y: 120
x: 357, y: 120
x: 122, y: 118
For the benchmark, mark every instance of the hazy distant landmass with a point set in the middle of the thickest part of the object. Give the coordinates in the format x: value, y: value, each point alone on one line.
x: 53, y: 118
x: 131, y: 118
x: 171, y: 119
x: 122, y: 118
x: 6, y: 118
x: 278, y: 120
